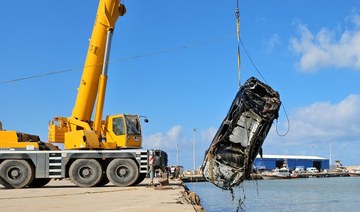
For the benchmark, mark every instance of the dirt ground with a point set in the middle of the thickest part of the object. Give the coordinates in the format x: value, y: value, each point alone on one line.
x: 62, y: 195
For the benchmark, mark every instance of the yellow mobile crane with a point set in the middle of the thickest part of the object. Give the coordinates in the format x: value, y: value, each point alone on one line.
x: 95, y: 151
x: 78, y: 131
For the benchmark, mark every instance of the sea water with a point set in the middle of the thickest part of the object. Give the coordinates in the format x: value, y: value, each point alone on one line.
x: 304, y: 194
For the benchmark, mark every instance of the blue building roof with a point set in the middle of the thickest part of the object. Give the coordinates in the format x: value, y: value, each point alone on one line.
x: 293, y: 157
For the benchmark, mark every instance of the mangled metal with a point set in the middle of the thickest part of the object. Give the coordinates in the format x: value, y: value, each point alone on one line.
x: 228, y: 161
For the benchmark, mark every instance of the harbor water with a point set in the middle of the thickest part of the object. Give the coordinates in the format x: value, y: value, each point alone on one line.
x: 307, y: 194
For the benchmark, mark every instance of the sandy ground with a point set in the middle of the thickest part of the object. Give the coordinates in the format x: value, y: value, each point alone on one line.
x: 64, y: 196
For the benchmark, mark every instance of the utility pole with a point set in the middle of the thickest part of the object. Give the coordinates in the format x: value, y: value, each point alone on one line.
x: 193, y: 133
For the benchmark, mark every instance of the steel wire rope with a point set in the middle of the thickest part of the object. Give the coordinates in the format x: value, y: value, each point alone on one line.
x: 237, y: 15
x: 282, y: 105
x: 239, y: 41
x: 154, y: 53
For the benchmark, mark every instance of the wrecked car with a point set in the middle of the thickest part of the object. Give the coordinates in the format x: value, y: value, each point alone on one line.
x: 228, y: 161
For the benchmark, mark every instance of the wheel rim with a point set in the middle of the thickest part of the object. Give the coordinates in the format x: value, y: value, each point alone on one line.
x: 14, y: 173
x: 122, y: 171
x: 85, y: 172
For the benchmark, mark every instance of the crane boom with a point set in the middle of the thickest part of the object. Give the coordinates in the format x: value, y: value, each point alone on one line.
x: 107, y: 15
x: 79, y: 130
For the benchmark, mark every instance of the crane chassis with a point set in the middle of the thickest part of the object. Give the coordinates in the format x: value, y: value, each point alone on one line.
x: 85, y: 168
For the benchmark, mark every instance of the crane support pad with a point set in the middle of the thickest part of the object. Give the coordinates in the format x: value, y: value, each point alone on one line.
x: 228, y: 161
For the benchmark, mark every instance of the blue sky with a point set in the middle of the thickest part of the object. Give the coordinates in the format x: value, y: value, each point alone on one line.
x: 186, y: 76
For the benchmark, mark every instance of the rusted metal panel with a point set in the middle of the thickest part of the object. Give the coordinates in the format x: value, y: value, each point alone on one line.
x: 228, y: 161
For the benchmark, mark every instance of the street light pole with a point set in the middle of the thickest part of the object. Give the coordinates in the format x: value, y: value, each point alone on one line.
x: 330, y: 155
x: 177, y: 154
x: 194, y: 130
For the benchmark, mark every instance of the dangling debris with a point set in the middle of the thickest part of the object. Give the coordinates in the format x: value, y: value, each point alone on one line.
x: 228, y: 161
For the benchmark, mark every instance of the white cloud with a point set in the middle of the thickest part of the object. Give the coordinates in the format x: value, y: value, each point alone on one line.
x: 354, y: 18
x: 168, y: 139
x: 324, y: 121
x: 175, y: 135
x: 323, y: 49
x: 207, y: 135
x: 314, y: 127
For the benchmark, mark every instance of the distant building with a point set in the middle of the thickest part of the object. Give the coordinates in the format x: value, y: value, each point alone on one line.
x: 269, y: 162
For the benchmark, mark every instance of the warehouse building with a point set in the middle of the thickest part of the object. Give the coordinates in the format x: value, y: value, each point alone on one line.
x: 269, y: 162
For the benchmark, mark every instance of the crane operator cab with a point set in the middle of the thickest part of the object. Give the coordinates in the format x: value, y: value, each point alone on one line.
x: 119, y: 131
x: 124, y: 130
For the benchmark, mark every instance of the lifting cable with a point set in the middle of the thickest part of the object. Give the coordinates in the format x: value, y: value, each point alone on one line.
x: 263, y: 78
x: 237, y: 15
x: 282, y: 105
x: 240, y: 42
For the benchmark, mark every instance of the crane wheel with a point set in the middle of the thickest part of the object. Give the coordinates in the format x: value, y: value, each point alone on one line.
x: 39, y: 182
x: 16, y: 174
x: 85, y: 172
x: 122, y: 172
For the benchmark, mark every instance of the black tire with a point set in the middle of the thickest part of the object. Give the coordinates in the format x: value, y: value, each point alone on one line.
x: 16, y: 174
x: 140, y: 178
x: 85, y: 172
x: 39, y: 182
x: 122, y: 172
